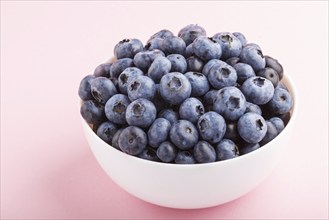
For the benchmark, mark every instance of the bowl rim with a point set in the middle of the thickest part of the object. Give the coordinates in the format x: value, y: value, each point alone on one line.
x: 292, y: 90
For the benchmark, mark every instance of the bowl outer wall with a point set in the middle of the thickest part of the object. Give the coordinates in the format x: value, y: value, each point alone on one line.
x: 191, y: 186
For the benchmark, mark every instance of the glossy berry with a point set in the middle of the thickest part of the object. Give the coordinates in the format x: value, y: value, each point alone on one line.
x: 281, y: 102
x: 127, y: 48
x: 270, y: 74
x: 184, y: 157
x: 141, y: 112
x: 126, y: 76
x: 184, y: 134
x: 206, y: 48
x: 199, y: 83
x: 141, y: 87
x: 170, y: 115
x: 178, y: 63
x: 102, y: 89
x: 167, y: 152
x: 230, y: 44
x: 120, y: 65
x: 211, y: 127
x: 159, y: 67
x: 252, y: 127
x: 92, y: 112
x: 258, y: 90
x: 85, y: 88
x: 226, y: 149
x: 190, y: 32
x: 106, y: 131
x: 203, y: 152
x: 115, y: 108
x: 149, y: 154
x: 132, y: 140
x: 103, y: 69
x: 191, y: 109
x: 158, y: 132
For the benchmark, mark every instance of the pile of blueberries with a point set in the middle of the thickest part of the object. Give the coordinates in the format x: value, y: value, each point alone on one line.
x: 187, y: 99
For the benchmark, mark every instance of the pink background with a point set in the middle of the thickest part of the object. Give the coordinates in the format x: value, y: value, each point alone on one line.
x: 47, y: 168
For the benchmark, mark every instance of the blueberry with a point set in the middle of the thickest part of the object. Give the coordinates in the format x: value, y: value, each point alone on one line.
x: 222, y: 75
x: 158, y: 101
x: 102, y: 89
x: 247, y: 148
x: 209, y: 65
x: 258, y: 90
x: 173, y: 45
x: 282, y: 86
x: 149, y: 154
x: 211, y: 126
x: 226, y: 149
x: 141, y: 112
x: 281, y: 102
x: 164, y: 33
x: 232, y: 61
x: 285, y: 118
x: 184, y: 157
x: 154, y: 43
x: 232, y: 132
x: 278, y: 123
x: 274, y: 64
x: 175, y: 88
x: 203, y: 152
x: 252, y: 127
x: 184, y: 134
x: 126, y: 76
x: 206, y: 48
x: 178, y: 63
x: 141, y: 87
x: 85, y: 88
x: 170, y: 115
x: 158, y: 132
x: 256, y: 46
x: 159, y: 67
x: 271, y: 133
x: 106, y: 131
x: 167, y: 152
x: 210, y: 97
x: 241, y: 38
x: 244, y: 72
x: 191, y: 109
x: 190, y: 32
x: 189, y: 51
x: 253, y: 56
x: 115, y: 139
x: 194, y: 64
x: 120, y: 65
x: 127, y: 48
x: 251, y: 107
x: 103, y: 69
x: 115, y: 108
x: 132, y: 140
x: 92, y: 112
x: 144, y: 59
x: 230, y: 103
x: 199, y: 83
x: 270, y: 74
x: 230, y: 44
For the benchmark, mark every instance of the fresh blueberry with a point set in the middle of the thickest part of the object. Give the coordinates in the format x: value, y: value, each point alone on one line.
x: 253, y: 56
x: 278, y: 123
x: 167, y: 152
x: 210, y: 97
x: 232, y: 61
x: 209, y: 65
x: 126, y: 76
x: 241, y: 37
x: 149, y: 154
x: 106, y: 131
x: 230, y: 103
x: 285, y: 118
x: 252, y: 127
x: 282, y: 86
x: 226, y: 149
x: 194, y: 64
x: 144, y: 59
x: 244, y: 72
x: 184, y: 134
x: 190, y: 32
x: 164, y: 33
x: 141, y: 87
x: 203, y: 152
x: 281, y: 102
x: 132, y: 140
x: 212, y: 127
x: 141, y: 112
x: 127, y: 48
x: 270, y: 74
x: 230, y: 44
x: 103, y: 69
x: 159, y: 67
x: 247, y: 148
x: 199, y: 83
x: 173, y: 45
x: 232, y: 132
x: 251, y: 107
x: 120, y: 65
x: 102, y: 89
x: 115, y: 139
x: 274, y: 64
x: 85, y: 88
x: 170, y: 115
x: 222, y: 75
x: 115, y: 108
x: 206, y: 48
x: 256, y: 46
x: 158, y: 132
x: 92, y: 112
x: 258, y: 90
x: 189, y: 51
x: 191, y: 109
x: 271, y: 133
x: 184, y: 157
x: 178, y: 63
x: 175, y: 88
x: 154, y: 43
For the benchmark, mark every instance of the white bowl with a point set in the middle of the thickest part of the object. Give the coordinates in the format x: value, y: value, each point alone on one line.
x: 191, y: 186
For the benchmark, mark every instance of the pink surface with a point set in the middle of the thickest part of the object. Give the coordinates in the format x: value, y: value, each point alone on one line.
x: 47, y: 168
